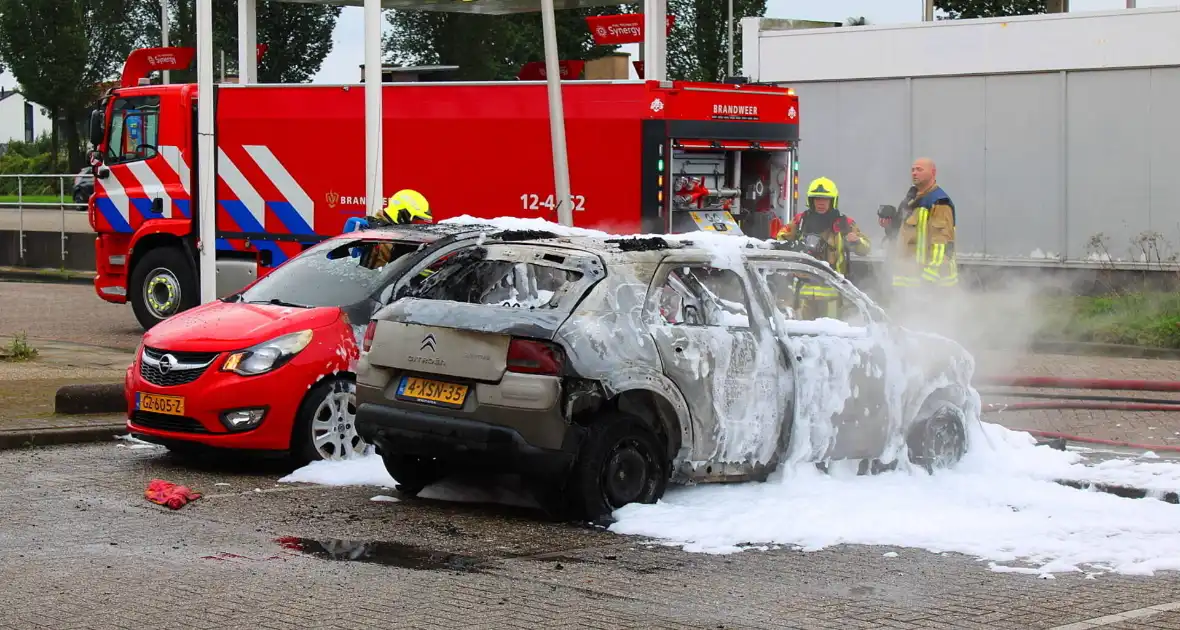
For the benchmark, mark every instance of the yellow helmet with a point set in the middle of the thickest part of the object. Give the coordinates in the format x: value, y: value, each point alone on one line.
x: 408, y: 206
x: 824, y: 188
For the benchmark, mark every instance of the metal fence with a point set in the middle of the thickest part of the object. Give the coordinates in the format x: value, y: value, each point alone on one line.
x: 36, y: 197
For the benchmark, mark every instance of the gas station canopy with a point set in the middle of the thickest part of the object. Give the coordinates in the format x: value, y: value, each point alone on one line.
x: 485, y: 7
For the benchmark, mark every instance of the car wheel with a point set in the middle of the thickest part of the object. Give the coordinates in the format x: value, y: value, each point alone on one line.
x: 163, y: 284
x: 325, y: 426
x: 939, y: 440
x: 412, y: 473
x: 620, y: 462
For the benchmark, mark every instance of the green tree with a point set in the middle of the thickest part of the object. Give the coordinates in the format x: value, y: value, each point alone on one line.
x: 298, y: 37
x: 487, y: 47
x: 61, y: 51
x: 697, y: 46
x: 969, y: 9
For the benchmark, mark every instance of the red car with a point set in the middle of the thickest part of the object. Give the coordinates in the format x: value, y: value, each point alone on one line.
x: 270, y: 368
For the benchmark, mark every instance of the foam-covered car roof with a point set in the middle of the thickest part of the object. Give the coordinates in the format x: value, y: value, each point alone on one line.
x: 419, y: 233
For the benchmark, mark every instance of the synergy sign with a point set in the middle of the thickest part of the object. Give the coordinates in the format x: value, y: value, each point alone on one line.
x: 625, y: 28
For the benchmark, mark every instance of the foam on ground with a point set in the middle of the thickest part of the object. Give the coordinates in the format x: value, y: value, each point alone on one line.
x: 1000, y: 505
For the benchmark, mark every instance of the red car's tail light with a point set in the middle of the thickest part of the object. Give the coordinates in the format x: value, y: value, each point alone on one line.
x: 534, y: 357
x: 370, y: 331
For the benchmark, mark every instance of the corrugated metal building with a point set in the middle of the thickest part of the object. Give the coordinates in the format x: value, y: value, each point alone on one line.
x: 1047, y: 130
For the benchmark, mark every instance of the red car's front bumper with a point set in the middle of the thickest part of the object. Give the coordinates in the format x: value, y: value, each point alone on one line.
x: 280, y: 393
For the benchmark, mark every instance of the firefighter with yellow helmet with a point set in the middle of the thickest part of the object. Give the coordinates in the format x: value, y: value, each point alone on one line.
x: 404, y: 207
x: 838, y: 237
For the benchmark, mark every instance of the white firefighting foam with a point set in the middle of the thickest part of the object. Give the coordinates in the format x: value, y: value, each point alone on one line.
x: 1000, y: 504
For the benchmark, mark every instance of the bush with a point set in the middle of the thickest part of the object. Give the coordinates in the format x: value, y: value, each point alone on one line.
x: 32, y: 158
x: 1141, y: 319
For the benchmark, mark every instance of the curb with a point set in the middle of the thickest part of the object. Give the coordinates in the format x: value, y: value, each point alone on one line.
x: 85, y: 399
x: 1126, y: 492
x: 46, y: 276
x: 59, y: 435
x: 1086, y: 348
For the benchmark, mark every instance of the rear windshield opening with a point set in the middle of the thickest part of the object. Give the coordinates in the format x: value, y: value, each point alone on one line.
x: 504, y: 283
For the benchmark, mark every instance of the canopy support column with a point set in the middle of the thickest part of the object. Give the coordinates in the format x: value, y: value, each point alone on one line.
x: 655, y: 37
x: 206, y: 151
x: 247, y: 41
x: 374, y: 197
x: 563, y: 200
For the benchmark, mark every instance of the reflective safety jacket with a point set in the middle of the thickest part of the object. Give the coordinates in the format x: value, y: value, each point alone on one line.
x: 837, y: 250
x: 925, y: 254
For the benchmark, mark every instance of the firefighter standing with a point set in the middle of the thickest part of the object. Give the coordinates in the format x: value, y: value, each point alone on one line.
x: 924, y: 255
x: 839, y: 236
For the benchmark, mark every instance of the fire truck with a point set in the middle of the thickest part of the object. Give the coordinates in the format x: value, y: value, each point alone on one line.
x: 650, y: 157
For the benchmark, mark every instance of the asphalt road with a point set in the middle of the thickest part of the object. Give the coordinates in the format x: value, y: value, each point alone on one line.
x: 82, y: 548
x: 45, y: 220
x: 66, y: 312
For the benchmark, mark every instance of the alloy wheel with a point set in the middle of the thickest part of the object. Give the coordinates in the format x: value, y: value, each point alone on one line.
x: 333, y: 426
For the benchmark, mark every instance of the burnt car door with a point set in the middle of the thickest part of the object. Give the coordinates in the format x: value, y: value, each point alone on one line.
x: 706, y: 331
x: 840, y: 371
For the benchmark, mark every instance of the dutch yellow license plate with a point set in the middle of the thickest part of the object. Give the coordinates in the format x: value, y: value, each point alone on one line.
x: 432, y: 392
x: 155, y: 403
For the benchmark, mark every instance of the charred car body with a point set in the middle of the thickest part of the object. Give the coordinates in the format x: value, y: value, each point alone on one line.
x: 604, y: 368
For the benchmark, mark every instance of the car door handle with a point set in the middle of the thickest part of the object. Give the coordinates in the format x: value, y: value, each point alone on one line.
x: 158, y: 205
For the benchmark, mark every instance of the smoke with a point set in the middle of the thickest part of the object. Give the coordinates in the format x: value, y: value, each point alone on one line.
x: 996, y: 322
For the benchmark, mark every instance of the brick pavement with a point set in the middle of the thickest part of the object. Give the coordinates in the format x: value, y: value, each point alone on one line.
x: 1127, y: 426
x: 82, y: 549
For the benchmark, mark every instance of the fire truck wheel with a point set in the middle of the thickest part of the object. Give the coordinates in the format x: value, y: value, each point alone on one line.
x: 162, y: 285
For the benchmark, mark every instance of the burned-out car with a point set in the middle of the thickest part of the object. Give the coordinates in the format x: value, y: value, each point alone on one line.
x: 603, y: 368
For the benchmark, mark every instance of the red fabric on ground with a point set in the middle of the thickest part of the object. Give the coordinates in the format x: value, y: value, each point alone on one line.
x: 167, y: 493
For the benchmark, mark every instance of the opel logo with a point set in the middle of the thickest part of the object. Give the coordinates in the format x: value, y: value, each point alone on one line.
x: 428, y: 342
x: 167, y: 362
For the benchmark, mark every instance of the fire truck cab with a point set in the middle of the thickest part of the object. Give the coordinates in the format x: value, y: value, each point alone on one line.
x: 651, y: 157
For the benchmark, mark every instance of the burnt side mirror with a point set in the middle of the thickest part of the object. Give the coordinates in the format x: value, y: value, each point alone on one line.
x: 94, y: 158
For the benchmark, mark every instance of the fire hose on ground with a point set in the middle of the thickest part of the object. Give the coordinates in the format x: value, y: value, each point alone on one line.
x: 1083, y: 401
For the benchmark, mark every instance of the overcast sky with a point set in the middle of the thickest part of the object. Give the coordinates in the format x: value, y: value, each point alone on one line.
x: 343, y: 63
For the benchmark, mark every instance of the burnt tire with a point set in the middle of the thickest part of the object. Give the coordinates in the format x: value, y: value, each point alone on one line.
x: 939, y: 440
x: 412, y: 473
x: 620, y: 462
x: 162, y: 284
